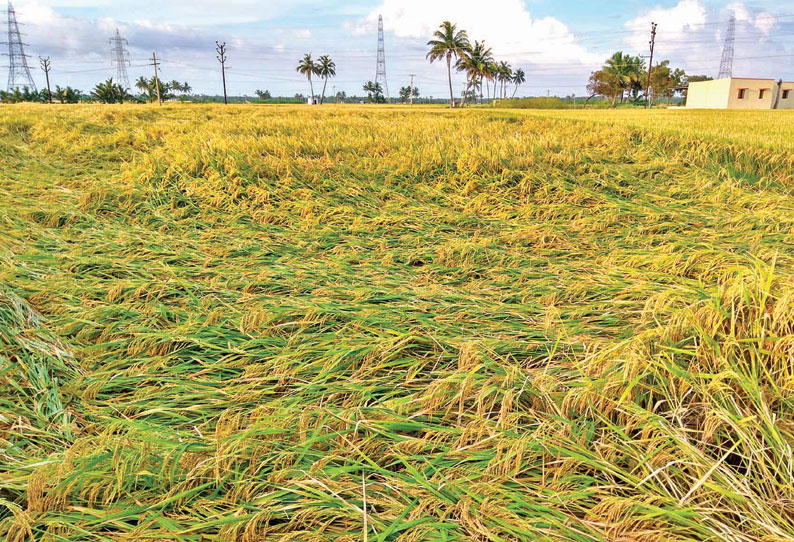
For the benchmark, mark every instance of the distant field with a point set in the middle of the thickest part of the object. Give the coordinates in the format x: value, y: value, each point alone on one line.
x: 360, y: 323
x: 773, y: 129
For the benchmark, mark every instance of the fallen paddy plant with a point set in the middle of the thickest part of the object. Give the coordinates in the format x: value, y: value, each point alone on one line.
x: 355, y: 324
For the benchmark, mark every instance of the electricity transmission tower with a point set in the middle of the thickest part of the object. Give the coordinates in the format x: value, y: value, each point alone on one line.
x: 726, y: 65
x: 121, y: 58
x: 18, y: 72
x: 380, y: 74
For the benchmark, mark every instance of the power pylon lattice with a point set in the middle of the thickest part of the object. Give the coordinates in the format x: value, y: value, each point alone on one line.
x: 18, y: 72
x: 121, y: 58
x: 726, y: 64
x: 380, y: 73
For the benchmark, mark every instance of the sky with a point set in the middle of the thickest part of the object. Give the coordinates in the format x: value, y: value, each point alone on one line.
x: 558, y: 43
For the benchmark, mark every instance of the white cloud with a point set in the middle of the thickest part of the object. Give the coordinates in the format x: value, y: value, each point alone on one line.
x: 740, y: 11
x: 505, y: 25
x: 266, y: 39
x: 691, y: 36
x: 676, y: 24
x: 49, y: 32
x: 765, y: 22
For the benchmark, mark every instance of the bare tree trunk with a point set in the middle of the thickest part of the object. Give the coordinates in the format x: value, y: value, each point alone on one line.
x: 322, y: 97
x: 449, y: 76
x: 465, y: 92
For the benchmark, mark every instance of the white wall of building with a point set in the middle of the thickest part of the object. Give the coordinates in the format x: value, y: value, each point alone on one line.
x: 740, y: 93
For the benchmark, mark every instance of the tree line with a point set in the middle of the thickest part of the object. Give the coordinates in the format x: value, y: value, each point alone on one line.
x: 107, y: 91
x: 475, y: 60
x: 625, y: 77
x: 622, y: 77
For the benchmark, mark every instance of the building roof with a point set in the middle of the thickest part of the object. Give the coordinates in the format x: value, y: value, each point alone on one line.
x: 752, y: 78
x: 743, y: 79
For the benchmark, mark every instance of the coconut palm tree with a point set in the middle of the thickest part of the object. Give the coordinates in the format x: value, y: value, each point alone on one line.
x: 374, y: 92
x: 505, y: 74
x: 110, y: 92
x: 487, y: 74
x: 308, y: 68
x: 625, y: 69
x: 448, y: 42
x: 518, y: 79
x: 325, y: 68
x: 146, y: 86
x: 475, y: 64
x: 67, y: 95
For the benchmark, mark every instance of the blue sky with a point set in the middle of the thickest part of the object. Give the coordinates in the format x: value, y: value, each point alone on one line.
x: 557, y: 43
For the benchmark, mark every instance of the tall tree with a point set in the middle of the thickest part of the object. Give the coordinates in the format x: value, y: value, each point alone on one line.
x: 505, y: 75
x: 626, y: 70
x: 518, y: 79
x: 325, y: 68
x: 142, y: 83
x: 484, y: 80
x: 448, y: 42
x: 307, y: 67
x: 475, y: 63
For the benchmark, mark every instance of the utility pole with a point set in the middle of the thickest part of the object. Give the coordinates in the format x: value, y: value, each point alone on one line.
x: 156, y: 79
x: 45, y: 65
x: 411, y: 91
x: 220, y: 48
x: 648, y: 103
